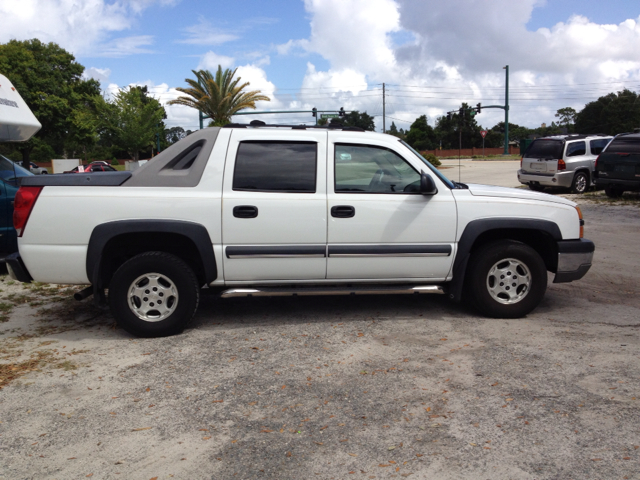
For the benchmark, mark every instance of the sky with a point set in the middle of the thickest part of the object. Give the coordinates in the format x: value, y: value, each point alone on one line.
x: 430, y: 55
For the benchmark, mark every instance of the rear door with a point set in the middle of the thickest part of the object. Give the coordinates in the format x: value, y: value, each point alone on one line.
x: 274, y: 222
x: 621, y: 159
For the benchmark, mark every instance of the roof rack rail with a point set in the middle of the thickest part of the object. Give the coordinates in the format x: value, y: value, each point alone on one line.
x: 260, y: 123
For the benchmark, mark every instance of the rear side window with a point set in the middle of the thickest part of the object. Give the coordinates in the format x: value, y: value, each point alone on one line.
x: 576, y: 148
x: 624, y: 145
x: 544, y: 149
x: 276, y: 167
x: 598, y: 145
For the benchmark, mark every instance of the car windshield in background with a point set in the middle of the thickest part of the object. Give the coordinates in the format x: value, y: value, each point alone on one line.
x: 624, y: 145
x: 10, y: 171
x: 545, y: 149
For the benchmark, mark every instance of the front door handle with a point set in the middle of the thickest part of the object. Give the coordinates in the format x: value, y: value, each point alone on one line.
x: 343, y: 211
x: 245, y: 211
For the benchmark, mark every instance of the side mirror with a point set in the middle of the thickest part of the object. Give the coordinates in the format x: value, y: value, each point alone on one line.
x: 427, y: 185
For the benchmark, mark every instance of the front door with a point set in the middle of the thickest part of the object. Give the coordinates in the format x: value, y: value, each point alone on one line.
x: 274, y: 220
x: 380, y: 226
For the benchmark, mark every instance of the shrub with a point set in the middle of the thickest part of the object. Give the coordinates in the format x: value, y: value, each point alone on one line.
x: 433, y: 160
x: 115, y: 162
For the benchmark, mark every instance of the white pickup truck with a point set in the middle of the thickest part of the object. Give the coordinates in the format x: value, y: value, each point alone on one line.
x: 251, y: 210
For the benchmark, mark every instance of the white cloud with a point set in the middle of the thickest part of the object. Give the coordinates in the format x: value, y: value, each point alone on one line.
x: 80, y: 26
x: 211, y: 60
x: 205, y: 34
x: 99, y: 74
x: 454, y: 51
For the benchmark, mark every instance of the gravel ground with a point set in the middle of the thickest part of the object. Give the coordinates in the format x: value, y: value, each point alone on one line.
x: 342, y: 387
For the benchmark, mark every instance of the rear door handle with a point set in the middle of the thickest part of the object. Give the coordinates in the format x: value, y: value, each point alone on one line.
x: 245, y: 211
x: 343, y: 211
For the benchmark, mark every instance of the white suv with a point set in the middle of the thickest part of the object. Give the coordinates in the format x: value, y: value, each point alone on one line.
x: 562, y: 161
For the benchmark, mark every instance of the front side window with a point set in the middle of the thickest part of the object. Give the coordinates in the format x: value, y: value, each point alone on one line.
x: 576, y: 148
x: 276, y: 167
x: 369, y: 169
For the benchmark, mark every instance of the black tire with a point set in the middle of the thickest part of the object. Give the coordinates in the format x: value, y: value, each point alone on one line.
x: 523, y: 262
x: 580, y: 183
x: 536, y: 187
x: 613, y: 191
x: 166, y: 310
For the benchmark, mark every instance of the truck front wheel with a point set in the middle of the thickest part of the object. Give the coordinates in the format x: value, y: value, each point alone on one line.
x: 506, y: 279
x: 154, y: 294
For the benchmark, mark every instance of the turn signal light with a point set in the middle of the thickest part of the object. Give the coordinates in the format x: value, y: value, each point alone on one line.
x: 22, y: 206
x: 596, y: 165
x: 561, y: 165
x: 581, y: 221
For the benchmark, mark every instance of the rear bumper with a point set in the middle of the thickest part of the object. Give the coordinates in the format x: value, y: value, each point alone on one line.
x: 17, y: 269
x: 574, y: 259
x: 625, y: 184
x: 562, y: 179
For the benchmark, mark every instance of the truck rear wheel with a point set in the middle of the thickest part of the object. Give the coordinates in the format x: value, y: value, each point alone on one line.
x: 154, y: 294
x: 506, y: 279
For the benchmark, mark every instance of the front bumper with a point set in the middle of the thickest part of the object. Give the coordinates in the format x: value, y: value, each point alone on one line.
x: 561, y: 179
x: 574, y: 259
x: 17, y: 269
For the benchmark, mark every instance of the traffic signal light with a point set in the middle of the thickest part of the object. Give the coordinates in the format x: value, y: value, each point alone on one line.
x: 314, y: 112
x: 449, y: 116
x: 479, y: 107
x: 341, y: 112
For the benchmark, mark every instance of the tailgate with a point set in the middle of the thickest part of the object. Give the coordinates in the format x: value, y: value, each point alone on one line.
x: 619, y: 166
x: 540, y: 165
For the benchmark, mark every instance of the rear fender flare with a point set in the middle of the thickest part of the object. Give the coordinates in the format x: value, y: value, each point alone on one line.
x: 105, y: 232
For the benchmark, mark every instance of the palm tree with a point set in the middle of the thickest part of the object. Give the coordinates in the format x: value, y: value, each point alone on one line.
x: 219, y: 97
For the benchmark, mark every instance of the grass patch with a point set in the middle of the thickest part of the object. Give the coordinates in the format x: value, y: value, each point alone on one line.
x: 628, y: 198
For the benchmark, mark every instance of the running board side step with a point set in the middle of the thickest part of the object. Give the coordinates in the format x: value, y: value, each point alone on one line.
x: 309, y: 291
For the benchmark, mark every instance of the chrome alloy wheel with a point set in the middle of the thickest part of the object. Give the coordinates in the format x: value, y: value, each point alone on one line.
x: 581, y: 184
x: 153, y: 297
x: 509, y: 281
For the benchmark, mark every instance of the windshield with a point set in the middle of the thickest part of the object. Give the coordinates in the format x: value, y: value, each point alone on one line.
x: 10, y: 171
x: 550, y: 149
x: 433, y: 169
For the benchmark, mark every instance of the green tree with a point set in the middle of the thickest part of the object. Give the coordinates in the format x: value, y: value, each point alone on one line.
x: 356, y: 119
x: 174, y: 134
x: 567, y: 116
x: 451, y: 129
x: 131, y: 121
x: 50, y: 81
x: 219, y: 97
x: 611, y: 114
x: 421, y: 135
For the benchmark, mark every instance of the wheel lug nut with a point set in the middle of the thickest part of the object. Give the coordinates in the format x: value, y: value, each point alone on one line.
x: 513, y: 285
x: 159, y: 302
x: 502, y: 284
x: 507, y: 289
x: 151, y: 304
x: 155, y: 289
x: 161, y: 294
x: 145, y: 299
x: 147, y: 292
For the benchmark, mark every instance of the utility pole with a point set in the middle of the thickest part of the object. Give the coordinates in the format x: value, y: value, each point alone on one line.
x: 384, y: 126
x: 506, y: 112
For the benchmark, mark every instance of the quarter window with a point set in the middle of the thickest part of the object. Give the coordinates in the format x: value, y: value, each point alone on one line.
x: 276, y: 167
x: 576, y: 148
x: 369, y: 169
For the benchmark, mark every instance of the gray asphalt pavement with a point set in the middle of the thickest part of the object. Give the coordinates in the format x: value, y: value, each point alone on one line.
x: 343, y: 387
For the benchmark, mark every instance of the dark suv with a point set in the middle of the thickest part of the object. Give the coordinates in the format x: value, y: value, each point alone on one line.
x: 618, y: 166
